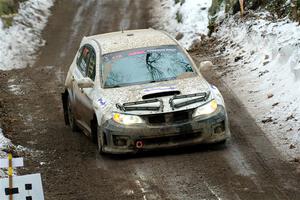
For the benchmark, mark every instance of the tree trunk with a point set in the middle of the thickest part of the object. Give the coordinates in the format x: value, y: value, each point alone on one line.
x: 294, y: 9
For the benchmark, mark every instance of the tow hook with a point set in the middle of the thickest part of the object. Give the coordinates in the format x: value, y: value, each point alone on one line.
x: 139, y: 144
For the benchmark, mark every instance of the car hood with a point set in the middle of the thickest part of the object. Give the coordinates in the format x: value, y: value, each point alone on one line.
x: 118, y: 96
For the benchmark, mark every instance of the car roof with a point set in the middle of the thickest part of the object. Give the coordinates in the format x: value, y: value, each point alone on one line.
x: 131, y: 39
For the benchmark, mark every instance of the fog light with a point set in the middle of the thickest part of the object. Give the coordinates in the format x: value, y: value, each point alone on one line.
x: 219, y: 128
x: 120, y: 141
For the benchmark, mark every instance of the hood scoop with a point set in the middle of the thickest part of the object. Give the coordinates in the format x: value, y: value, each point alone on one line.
x: 161, y: 94
x: 185, y: 100
x: 146, y: 105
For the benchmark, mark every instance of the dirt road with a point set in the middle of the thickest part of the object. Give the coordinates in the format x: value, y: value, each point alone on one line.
x: 248, y: 168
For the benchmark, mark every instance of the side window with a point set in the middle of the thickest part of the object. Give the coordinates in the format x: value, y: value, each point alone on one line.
x: 83, y: 60
x: 91, y: 72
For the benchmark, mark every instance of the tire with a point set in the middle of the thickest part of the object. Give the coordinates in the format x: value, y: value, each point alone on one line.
x: 94, y: 129
x: 97, y: 136
x: 221, y: 143
x: 71, y: 118
x: 100, y: 141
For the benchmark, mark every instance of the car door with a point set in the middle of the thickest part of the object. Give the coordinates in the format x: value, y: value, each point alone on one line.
x: 86, y: 65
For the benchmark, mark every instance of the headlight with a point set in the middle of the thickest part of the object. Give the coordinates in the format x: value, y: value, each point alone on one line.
x: 127, y: 119
x: 206, y: 109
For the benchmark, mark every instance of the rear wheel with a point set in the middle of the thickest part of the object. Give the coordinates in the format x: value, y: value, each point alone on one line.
x: 71, y: 118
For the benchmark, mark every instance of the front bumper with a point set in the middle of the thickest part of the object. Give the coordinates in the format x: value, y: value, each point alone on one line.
x: 120, y: 139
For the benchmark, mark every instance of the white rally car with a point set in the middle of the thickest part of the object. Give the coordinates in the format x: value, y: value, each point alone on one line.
x: 140, y: 90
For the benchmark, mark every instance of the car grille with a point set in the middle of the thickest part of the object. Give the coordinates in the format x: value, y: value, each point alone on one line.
x: 172, y: 139
x: 169, y: 118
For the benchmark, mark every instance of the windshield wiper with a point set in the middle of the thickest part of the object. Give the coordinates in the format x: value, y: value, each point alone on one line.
x: 200, y: 97
x: 137, y: 83
x: 130, y: 106
x: 112, y: 86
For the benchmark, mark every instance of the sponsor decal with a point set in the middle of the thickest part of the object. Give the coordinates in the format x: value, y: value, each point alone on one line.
x: 160, y: 50
x: 102, y: 102
x: 136, y: 53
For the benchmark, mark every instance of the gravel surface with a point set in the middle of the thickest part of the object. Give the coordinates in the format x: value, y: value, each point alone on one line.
x: 248, y: 167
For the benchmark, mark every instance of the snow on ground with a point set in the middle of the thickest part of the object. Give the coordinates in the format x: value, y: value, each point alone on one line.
x: 264, y: 71
x: 263, y: 64
x: 20, y: 42
x: 4, y: 143
x: 17, y: 150
x: 189, y: 19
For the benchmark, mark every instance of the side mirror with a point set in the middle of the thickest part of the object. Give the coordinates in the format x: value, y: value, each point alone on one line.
x: 205, y: 64
x: 85, y: 83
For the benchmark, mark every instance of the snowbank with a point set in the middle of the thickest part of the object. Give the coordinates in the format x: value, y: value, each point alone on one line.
x: 264, y: 70
x: 20, y: 42
x: 190, y: 18
x: 4, y: 143
x: 263, y: 63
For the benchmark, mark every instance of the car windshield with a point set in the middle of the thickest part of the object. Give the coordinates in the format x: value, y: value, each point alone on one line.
x: 145, y: 65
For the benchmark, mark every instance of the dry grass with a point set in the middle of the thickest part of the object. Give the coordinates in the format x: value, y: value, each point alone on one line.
x: 8, y: 9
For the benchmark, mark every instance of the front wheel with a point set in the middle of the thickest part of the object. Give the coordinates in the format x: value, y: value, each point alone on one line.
x: 221, y: 143
x: 71, y: 118
x: 100, y: 141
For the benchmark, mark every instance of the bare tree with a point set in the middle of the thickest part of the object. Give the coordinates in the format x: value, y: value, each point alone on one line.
x: 151, y: 59
x: 294, y: 9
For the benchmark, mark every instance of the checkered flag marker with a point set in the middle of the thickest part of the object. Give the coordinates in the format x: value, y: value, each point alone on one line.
x: 28, y: 187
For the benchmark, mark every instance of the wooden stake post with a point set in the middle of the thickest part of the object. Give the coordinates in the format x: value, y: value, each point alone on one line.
x: 9, y: 163
x: 24, y: 187
x: 10, y: 175
x: 242, y: 7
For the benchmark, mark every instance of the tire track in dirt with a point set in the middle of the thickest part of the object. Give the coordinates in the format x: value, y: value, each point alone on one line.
x: 248, y: 168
